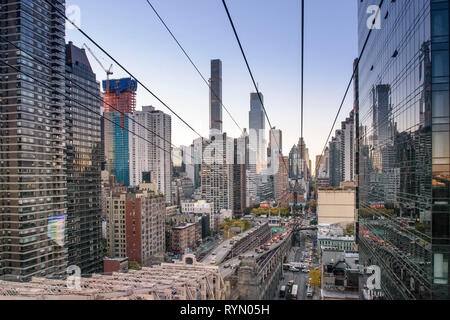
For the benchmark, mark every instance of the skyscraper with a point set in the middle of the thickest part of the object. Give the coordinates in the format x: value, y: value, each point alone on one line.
x: 257, y: 125
x: 33, y: 191
x: 155, y: 126
x: 216, y: 174
x: 347, y: 154
x: 281, y: 180
x: 215, y: 97
x: 240, y: 173
x: 275, y: 147
x: 84, y: 159
x: 404, y: 160
x: 120, y: 102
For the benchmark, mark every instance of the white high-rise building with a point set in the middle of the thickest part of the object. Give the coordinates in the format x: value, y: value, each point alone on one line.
x: 155, y: 126
x: 217, y: 172
x: 347, y: 149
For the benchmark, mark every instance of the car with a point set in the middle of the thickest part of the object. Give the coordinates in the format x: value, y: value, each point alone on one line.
x: 294, y: 269
x: 225, y: 246
x: 227, y: 266
x: 213, y: 262
x: 214, y: 253
x: 305, y: 270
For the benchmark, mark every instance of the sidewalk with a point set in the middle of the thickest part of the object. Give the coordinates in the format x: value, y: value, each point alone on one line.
x: 316, y: 294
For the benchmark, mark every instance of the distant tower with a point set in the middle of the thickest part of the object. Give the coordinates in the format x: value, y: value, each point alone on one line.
x: 215, y: 97
x: 257, y: 126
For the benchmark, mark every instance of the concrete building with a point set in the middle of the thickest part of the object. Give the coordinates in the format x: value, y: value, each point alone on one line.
x: 33, y: 198
x: 336, y: 206
x: 135, y: 226
x: 339, y: 275
x: 144, y: 220
x: 154, y: 126
x: 275, y: 147
x: 240, y: 174
x: 183, y: 237
x: 116, y: 225
x: 111, y: 265
x: 347, y: 154
x: 281, y: 179
x: 332, y: 236
x: 199, y: 207
x: 217, y: 172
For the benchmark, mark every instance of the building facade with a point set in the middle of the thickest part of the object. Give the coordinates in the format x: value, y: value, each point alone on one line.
x: 404, y: 160
x: 84, y: 160
x: 154, y: 156
x: 33, y: 190
x: 215, y: 97
x: 145, y: 221
x: 257, y: 125
x: 119, y: 103
x: 217, y: 172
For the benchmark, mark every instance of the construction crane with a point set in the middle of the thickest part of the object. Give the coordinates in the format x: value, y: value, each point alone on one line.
x: 109, y: 152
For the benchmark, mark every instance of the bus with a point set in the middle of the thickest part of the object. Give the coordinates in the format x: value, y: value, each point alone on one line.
x: 293, y: 293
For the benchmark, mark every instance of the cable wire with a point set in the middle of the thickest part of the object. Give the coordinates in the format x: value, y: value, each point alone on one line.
x: 192, y: 63
x: 251, y: 75
x: 348, y: 86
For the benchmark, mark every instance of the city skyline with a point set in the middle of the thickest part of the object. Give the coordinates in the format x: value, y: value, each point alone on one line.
x: 273, y: 51
x: 108, y: 194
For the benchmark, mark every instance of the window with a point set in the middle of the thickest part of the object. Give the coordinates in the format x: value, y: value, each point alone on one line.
x: 440, y: 268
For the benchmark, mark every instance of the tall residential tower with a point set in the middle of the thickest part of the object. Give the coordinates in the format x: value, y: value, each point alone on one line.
x: 33, y: 191
x: 215, y: 97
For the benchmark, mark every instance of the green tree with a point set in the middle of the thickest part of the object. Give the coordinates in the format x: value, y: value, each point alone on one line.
x: 133, y: 265
x: 315, y: 278
x: 350, y: 229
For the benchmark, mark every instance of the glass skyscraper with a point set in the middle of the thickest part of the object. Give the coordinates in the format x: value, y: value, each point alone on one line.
x: 404, y: 160
x: 84, y: 158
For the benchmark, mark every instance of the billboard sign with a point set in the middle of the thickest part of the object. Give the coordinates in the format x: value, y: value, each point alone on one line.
x: 56, y: 228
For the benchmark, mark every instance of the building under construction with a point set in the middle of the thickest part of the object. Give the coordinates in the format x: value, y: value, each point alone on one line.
x: 119, y: 101
x: 184, y: 280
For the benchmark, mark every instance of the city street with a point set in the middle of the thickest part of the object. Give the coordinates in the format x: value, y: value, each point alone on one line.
x: 300, y: 278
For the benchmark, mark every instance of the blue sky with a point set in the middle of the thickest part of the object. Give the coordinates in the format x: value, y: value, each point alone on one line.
x: 270, y: 33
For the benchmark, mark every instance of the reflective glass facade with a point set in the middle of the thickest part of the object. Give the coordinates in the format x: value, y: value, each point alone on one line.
x: 121, y: 149
x: 404, y: 161
x: 83, y: 149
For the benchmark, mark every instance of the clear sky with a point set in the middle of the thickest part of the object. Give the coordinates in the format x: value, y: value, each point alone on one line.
x: 270, y: 33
